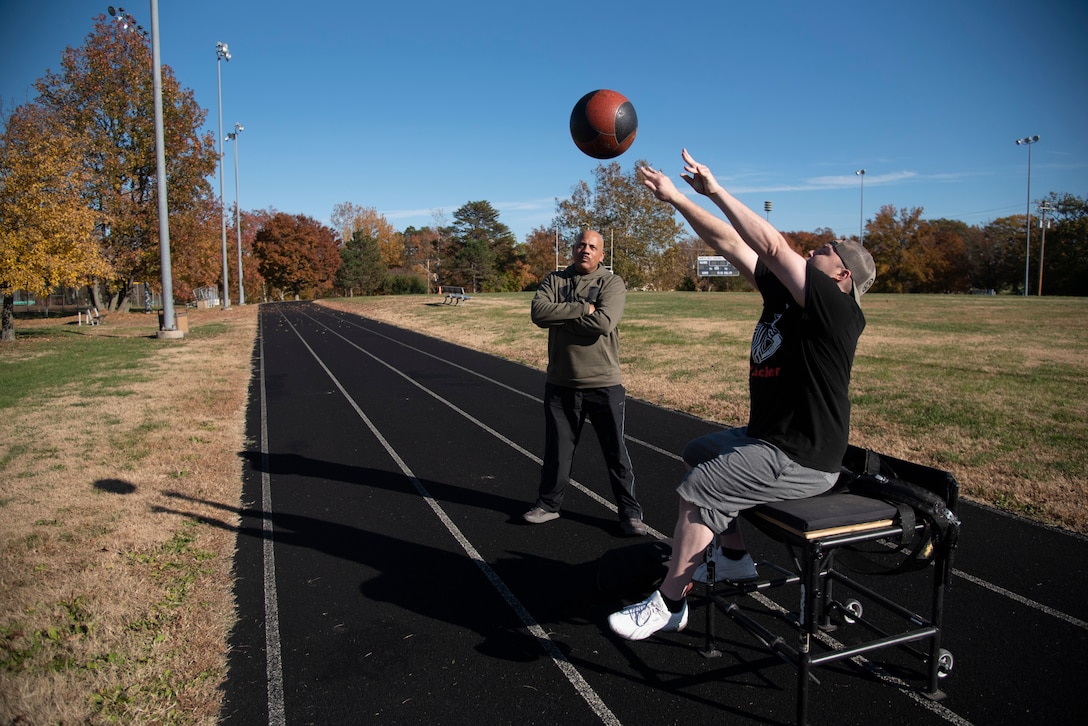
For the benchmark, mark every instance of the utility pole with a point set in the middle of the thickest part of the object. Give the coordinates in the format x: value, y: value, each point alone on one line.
x: 1044, y: 208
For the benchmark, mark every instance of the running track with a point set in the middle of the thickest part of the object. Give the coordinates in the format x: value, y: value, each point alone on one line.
x: 384, y: 574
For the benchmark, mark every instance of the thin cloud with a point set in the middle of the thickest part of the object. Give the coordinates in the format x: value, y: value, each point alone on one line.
x: 532, y: 205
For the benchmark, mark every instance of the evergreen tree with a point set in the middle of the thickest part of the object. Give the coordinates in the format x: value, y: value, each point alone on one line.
x: 484, y: 248
x: 362, y: 269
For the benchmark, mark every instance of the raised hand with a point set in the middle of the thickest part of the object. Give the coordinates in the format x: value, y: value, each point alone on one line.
x: 699, y: 176
x: 660, y: 184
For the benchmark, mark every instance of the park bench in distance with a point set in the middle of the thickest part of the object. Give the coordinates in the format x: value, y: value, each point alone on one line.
x: 91, y: 317
x: 454, y: 295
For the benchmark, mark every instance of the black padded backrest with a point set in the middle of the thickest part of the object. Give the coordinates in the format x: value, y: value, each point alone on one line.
x: 864, y: 461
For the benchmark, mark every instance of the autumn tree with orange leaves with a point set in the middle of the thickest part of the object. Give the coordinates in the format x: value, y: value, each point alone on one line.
x: 349, y: 218
x: 104, y: 96
x: 297, y: 254
x: 46, y: 231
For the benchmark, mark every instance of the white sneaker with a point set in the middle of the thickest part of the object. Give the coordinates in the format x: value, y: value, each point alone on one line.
x: 537, y: 515
x: 643, y: 619
x: 726, y: 569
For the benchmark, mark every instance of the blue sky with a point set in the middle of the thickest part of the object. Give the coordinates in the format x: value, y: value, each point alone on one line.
x: 418, y: 107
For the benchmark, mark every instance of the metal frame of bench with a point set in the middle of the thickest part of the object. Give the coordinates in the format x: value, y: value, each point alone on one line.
x: 798, y: 524
x: 93, y: 317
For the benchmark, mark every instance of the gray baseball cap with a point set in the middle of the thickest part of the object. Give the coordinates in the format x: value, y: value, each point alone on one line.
x: 860, y: 263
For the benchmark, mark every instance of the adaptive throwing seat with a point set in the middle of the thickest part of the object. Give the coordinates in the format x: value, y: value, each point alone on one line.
x: 885, y: 515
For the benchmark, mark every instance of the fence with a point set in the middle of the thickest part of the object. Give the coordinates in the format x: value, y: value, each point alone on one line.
x: 70, y: 300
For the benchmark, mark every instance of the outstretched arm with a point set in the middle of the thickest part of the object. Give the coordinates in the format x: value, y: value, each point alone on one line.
x: 711, y: 229
x: 758, y: 235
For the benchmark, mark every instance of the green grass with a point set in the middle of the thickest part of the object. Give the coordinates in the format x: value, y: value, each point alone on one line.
x: 103, y: 364
x: 63, y: 357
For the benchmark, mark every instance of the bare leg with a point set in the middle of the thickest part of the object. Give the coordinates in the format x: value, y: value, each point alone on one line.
x: 690, y: 539
x: 731, y: 538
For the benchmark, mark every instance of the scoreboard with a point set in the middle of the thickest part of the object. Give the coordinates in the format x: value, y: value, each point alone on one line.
x: 716, y: 266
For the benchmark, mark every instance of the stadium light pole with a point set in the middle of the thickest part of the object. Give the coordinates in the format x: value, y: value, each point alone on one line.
x: 169, y: 322
x: 233, y: 136
x: 861, y: 214
x: 222, y: 52
x: 1027, y: 141
x: 767, y: 208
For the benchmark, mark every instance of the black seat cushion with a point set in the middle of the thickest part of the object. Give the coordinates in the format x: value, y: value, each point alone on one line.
x: 826, y: 511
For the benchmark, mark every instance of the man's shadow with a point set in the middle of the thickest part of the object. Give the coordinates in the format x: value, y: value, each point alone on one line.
x: 418, y: 577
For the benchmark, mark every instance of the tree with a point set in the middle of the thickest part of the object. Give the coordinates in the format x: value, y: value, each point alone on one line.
x: 348, y: 219
x: 478, y: 222
x: 676, y: 269
x: 636, y: 227
x: 946, y: 250
x: 252, y: 280
x: 539, y: 252
x: 297, y: 253
x: 104, y: 95
x: 1065, y: 259
x: 983, y: 260
x: 1000, y: 255
x: 46, y: 231
x: 361, y: 268
x: 888, y: 238
x: 195, y: 249
x: 421, y: 253
x: 474, y: 265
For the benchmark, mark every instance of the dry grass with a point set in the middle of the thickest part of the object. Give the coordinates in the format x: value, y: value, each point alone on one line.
x: 114, y: 608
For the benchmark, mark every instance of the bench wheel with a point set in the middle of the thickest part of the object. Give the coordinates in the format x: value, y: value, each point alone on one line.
x: 944, y: 663
x: 852, y: 612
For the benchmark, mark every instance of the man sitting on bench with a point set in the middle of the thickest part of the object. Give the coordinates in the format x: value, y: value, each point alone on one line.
x: 799, y: 409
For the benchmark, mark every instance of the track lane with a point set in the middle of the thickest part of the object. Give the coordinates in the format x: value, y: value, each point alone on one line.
x: 485, y: 487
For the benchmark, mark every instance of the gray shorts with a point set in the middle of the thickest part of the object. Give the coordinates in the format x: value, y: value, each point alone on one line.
x: 732, y: 472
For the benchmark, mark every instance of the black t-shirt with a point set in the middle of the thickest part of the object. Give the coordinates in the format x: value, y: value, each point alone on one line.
x: 800, y: 369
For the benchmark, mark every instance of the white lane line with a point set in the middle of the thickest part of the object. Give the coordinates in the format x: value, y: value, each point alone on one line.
x: 970, y: 578
x: 273, y: 658
x: 481, y: 376
x: 1022, y: 600
x: 904, y: 687
x: 465, y: 414
x: 565, y: 666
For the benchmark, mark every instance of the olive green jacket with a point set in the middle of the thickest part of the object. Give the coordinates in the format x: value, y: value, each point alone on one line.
x: 583, y: 347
